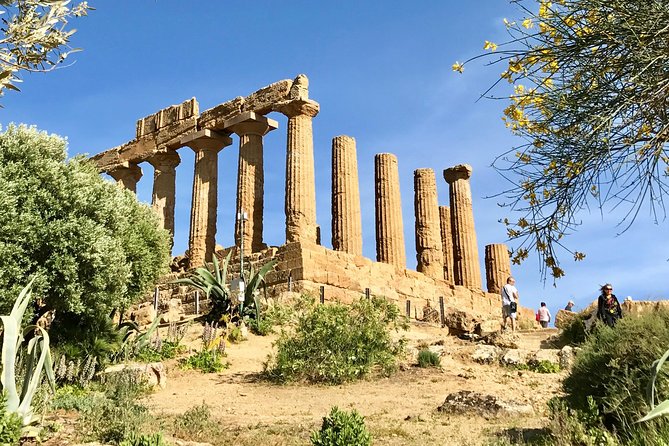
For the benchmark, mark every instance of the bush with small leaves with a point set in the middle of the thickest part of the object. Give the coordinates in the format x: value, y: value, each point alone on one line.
x: 428, y: 358
x: 341, y: 428
x: 10, y: 423
x: 337, y: 343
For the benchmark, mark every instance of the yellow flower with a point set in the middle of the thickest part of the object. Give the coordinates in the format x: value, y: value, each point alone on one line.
x: 457, y: 66
x: 515, y: 66
x: 544, y: 9
x: 527, y: 23
x: 489, y: 46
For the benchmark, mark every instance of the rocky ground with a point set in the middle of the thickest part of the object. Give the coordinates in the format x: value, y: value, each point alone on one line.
x: 465, y: 402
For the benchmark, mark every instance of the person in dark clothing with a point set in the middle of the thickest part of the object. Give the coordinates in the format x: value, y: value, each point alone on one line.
x: 608, y: 307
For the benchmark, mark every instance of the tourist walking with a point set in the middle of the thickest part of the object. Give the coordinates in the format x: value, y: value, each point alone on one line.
x: 608, y: 307
x: 569, y: 306
x: 544, y: 315
x: 509, y: 303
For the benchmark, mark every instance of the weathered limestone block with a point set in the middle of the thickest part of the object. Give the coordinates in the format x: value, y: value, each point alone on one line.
x: 551, y: 355
x: 497, y: 267
x: 516, y: 356
x: 446, y: 241
x: 202, y: 241
x: 164, y: 187
x: 300, y: 203
x: 466, y: 401
x: 250, y: 176
x: 563, y: 318
x: 389, y: 226
x: 486, y: 354
x: 127, y: 176
x: 465, y: 250
x: 167, y: 117
x: 346, y: 217
x: 428, y: 229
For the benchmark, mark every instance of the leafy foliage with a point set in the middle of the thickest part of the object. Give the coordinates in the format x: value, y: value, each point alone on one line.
x: 574, y: 333
x: 428, y: 358
x: 589, y: 100
x: 93, y: 245
x: 341, y: 428
x: 144, y: 440
x: 613, y: 370
x: 206, y: 361
x: 196, y: 424
x: 336, y: 343
x: 35, y: 36
x: 115, y: 414
x: 10, y: 423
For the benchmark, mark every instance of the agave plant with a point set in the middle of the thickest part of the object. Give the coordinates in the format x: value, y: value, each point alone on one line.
x: 661, y: 409
x: 213, y: 284
x: 256, y: 279
x: 37, y: 359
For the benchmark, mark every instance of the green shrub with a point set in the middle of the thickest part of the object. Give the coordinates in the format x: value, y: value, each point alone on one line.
x: 544, y: 366
x: 574, y: 333
x: 116, y: 413
x: 70, y: 397
x: 93, y: 245
x: 341, y: 428
x: 144, y: 440
x: 10, y: 423
x: 614, y: 369
x: 336, y: 343
x: 196, y: 424
x: 206, y: 361
x: 427, y: 358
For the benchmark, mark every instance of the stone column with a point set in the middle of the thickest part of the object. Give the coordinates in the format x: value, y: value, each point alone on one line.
x: 446, y: 242
x: 497, y: 267
x: 202, y: 240
x: 389, y: 226
x: 300, y: 205
x: 428, y: 232
x: 465, y: 252
x: 164, y: 181
x: 127, y: 176
x: 346, y: 217
x: 250, y: 175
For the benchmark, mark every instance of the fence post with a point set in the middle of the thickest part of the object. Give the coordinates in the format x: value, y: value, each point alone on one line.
x: 290, y: 281
x: 322, y: 294
x: 156, y: 294
x: 368, y: 295
x: 441, y: 311
x: 408, y: 309
x: 197, y: 302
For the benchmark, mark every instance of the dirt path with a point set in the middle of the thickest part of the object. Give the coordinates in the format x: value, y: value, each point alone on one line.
x: 400, y: 410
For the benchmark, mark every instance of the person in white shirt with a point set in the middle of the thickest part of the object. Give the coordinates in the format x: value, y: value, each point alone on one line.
x: 544, y: 315
x: 509, y: 303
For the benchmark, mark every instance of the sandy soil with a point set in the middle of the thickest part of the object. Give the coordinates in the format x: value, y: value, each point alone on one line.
x: 400, y: 410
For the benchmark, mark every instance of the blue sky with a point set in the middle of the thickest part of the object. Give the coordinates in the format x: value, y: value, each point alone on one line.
x: 381, y: 71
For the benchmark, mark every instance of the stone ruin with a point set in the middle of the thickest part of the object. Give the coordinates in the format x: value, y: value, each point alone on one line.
x: 446, y: 247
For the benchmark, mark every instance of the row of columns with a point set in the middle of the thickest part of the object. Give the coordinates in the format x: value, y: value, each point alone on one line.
x: 300, y: 182
x: 445, y: 236
x: 446, y: 245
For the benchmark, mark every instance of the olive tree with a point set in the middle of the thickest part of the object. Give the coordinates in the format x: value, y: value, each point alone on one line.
x: 91, y: 245
x: 590, y: 98
x: 35, y: 36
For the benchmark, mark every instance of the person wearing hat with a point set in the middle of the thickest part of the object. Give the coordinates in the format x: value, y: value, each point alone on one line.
x: 569, y: 306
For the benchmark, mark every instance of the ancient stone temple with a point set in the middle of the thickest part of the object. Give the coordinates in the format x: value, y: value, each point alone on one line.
x: 448, y: 271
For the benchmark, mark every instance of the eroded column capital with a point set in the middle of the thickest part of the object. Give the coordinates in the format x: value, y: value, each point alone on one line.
x: 165, y: 160
x: 206, y: 139
x: 298, y: 107
x: 459, y: 172
x: 250, y: 123
x: 126, y: 172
